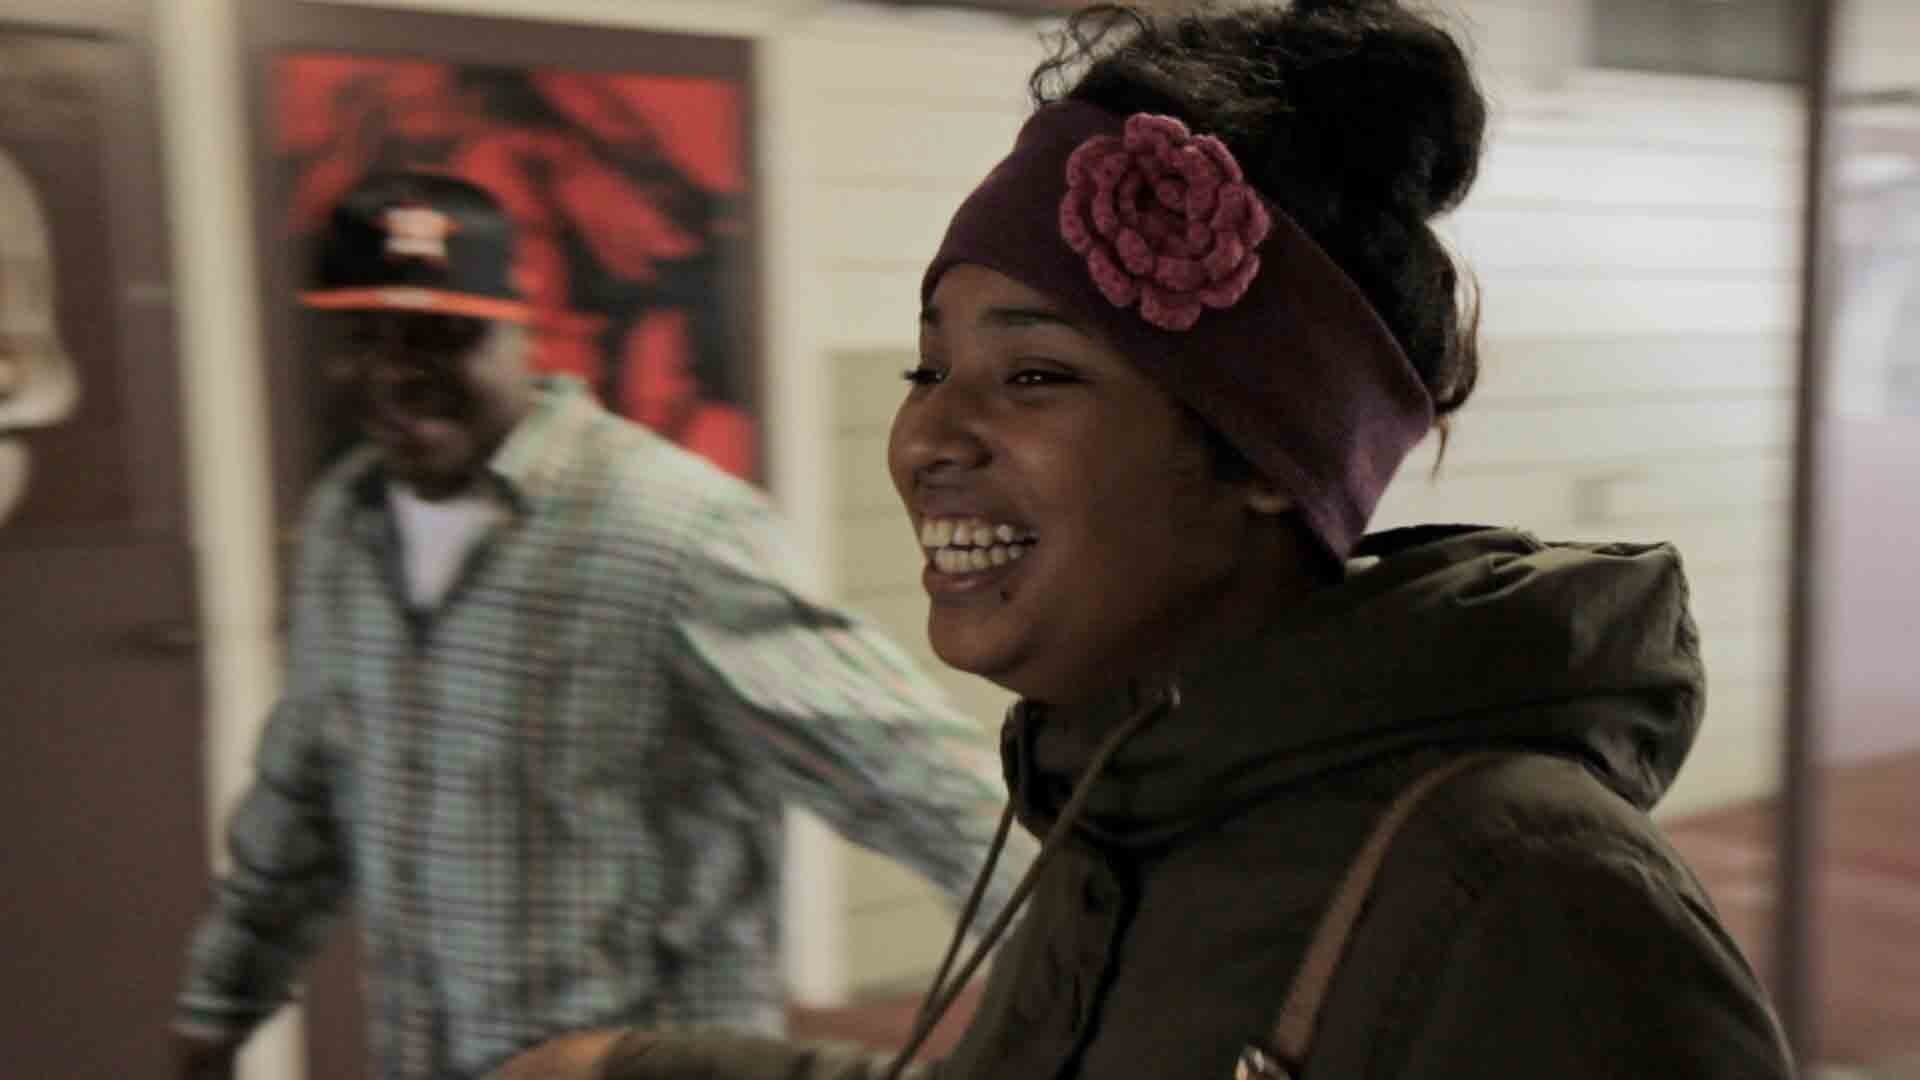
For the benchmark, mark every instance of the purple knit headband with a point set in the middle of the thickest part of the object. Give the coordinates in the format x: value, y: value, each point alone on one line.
x: 1152, y: 237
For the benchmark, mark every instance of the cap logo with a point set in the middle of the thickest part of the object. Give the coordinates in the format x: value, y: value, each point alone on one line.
x: 417, y: 232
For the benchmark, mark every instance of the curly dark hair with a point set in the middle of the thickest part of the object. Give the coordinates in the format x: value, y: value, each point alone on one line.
x: 1360, y: 118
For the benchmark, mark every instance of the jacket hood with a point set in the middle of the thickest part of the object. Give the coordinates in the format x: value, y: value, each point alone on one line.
x: 1461, y: 636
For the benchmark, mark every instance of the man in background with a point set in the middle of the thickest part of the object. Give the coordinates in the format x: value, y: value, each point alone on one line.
x: 549, y: 691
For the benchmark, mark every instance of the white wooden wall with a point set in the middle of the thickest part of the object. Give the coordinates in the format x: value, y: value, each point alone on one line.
x: 1635, y: 239
x: 1876, y: 43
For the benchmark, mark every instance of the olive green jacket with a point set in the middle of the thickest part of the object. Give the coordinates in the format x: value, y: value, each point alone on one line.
x: 1530, y: 921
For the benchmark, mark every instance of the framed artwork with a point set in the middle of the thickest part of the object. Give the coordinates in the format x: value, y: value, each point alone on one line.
x: 624, y: 157
x: 87, y: 439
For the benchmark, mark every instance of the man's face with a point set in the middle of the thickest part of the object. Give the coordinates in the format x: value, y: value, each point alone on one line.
x: 436, y: 393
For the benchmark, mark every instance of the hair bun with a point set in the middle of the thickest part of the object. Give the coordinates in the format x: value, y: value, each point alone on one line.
x: 1382, y: 98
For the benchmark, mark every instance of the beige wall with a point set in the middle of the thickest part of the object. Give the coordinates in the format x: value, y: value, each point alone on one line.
x: 1634, y: 239
x: 225, y: 411
x: 1876, y: 43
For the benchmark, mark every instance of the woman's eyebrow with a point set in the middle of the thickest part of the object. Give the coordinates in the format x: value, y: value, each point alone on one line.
x: 1022, y: 318
x: 1009, y: 317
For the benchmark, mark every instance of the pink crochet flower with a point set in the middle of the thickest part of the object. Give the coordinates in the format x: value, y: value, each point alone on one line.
x: 1164, y: 219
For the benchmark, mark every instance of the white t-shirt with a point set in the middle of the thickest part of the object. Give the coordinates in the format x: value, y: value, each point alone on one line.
x: 438, y: 536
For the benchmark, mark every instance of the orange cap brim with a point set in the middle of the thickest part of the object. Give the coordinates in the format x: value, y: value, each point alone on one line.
x: 410, y: 298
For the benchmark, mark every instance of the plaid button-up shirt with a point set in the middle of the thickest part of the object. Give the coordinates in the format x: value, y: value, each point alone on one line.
x: 555, y: 800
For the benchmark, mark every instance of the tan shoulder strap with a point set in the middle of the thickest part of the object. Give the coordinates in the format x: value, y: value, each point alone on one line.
x: 1286, y: 1050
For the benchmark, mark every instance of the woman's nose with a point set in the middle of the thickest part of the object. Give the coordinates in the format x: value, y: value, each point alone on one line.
x: 942, y: 428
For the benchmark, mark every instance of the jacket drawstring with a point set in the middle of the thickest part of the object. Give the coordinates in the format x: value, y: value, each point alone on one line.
x: 943, y: 992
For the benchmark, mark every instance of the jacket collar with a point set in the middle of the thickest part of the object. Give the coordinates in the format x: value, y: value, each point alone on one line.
x: 1471, y: 637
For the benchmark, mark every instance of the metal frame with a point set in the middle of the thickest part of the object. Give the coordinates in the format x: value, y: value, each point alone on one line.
x: 1794, y: 992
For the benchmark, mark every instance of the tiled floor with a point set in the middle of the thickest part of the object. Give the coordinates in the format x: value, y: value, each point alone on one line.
x: 884, y: 1022
x: 1868, y: 944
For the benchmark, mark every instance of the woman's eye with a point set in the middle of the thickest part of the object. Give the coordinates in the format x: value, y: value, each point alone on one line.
x: 1041, y: 377
x: 923, y: 375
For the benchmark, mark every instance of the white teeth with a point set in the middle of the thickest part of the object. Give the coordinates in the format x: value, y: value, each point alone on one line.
x: 968, y: 546
x: 954, y: 560
x: 972, y: 533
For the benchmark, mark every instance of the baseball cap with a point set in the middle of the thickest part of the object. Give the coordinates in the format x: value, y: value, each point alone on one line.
x: 416, y: 241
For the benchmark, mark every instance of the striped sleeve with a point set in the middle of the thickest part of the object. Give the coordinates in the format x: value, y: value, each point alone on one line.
x: 851, y: 727
x: 288, y: 872
x: 287, y: 878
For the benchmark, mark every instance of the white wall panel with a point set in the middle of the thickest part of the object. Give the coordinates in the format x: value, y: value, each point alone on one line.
x: 1608, y: 241
x: 1597, y: 495
x: 1619, y: 171
x: 897, y: 142
x: 1616, y: 432
x: 868, y: 226
x: 1658, y: 362
x: 1563, y: 304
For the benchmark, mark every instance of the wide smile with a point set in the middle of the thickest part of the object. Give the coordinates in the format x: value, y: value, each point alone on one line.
x: 968, y: 553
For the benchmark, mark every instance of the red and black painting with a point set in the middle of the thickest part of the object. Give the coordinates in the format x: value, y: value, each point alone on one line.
x: 630, y: 194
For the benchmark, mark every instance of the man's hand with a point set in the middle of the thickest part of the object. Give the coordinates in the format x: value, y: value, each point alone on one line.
x: 203, y: 1057
x: 575, y: 1056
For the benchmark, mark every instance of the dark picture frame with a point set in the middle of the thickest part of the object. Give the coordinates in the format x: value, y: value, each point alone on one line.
x: 659, y: 309
x: 102, y: 787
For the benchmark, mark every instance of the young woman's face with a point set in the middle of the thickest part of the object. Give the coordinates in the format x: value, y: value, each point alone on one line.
x: 1075, y: 528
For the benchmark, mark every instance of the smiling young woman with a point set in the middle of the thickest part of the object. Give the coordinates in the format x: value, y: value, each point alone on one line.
x: 1314, y: 802
x: 1134, y: 551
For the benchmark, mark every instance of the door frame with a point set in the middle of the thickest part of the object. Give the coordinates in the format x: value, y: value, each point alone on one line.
x: 1795, y: 995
